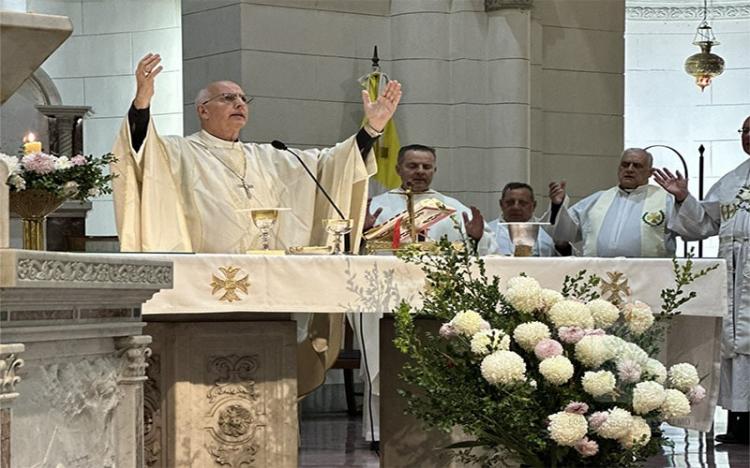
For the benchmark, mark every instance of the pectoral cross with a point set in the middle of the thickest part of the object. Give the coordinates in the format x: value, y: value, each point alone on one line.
x: 247, y: 188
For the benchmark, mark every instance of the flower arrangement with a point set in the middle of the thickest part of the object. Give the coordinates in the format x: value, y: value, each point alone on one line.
x: 79, y: 177
x: 544, y: 377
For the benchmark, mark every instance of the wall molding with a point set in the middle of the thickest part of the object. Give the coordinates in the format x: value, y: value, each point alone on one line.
x: 667, y: 13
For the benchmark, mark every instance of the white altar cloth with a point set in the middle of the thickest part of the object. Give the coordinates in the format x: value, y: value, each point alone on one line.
x: 376, y: 284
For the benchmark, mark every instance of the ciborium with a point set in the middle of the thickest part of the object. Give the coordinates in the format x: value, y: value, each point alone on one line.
x: 338, y: 228
x: 264, y: 219
x: 524, y: 237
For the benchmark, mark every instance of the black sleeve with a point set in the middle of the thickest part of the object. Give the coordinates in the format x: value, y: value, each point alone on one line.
x: 553, y: 213
x: 138, y: 121
x: 365, y: 142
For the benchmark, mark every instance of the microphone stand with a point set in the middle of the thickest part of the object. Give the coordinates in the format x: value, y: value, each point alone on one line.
x: 701, y: 176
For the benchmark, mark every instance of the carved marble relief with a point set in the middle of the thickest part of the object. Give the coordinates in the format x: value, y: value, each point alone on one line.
x: 9, y: 364
x: 233, y: 410
x: 134, y: 353
x: 75, y: 404
x: 152, y: 416
x: 118, y: 273
x: 495, y: 5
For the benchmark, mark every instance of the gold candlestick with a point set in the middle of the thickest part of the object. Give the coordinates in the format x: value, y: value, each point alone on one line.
x: 410, y: 209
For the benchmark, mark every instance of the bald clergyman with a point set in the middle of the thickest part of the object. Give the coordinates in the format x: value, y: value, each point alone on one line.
x: 183, y: 194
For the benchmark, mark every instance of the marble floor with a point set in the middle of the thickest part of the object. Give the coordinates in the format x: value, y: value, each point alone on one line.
x: 333, y: 440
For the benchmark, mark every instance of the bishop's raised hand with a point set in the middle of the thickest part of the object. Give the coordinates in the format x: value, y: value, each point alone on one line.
x: 674, y: 184
x: 380, y: 111
x: 145, y: 73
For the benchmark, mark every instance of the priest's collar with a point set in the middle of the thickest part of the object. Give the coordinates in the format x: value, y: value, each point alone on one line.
x: 215, y: 142
x: 640, y: 188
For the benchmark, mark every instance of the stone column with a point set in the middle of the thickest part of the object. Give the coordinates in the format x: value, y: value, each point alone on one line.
x: 65, y: 135
x: 133, y: 352
x: 9, y: 363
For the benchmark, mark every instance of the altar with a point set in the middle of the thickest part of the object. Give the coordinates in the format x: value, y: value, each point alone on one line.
x: 223, y: 369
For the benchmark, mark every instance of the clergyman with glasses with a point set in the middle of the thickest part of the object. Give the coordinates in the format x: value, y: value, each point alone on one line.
x: 725, y: 212
x: 183, y: 194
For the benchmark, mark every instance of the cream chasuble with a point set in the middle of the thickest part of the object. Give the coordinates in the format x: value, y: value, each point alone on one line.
x: 180, y: 194
x: 726, y: 212
x: 619, y: 223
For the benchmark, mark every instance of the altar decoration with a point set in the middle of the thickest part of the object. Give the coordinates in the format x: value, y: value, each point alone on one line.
x: 537, y: 376
x: 39, y: 183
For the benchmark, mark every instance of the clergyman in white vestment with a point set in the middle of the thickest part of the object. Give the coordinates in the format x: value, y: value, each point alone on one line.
x: 175, y: 194
x: 416, y: 166
x: 517, y: 204
x: 725, y: 212
x: 628, y: 220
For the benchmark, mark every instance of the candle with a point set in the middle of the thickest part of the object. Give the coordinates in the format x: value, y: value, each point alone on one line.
x: 30, y: 145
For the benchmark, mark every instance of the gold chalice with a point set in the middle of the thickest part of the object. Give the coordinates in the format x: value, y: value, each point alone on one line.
x: 264, y: 219
x: 338, y: 228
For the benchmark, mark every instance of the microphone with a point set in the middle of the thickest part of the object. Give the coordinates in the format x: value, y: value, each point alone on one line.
x: 279, y: 145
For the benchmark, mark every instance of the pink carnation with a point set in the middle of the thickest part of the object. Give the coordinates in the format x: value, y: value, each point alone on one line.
x: 41, y: 163
x: 78, y: 160
x: 577, y: 407
x: 448, y: 331
x: 629, y: 371
x: 548, y: 348
x: 597, y: 419
x: 587, y: 447
x: 570, y: 335
x: 696, y: 394
x: 594, y: 332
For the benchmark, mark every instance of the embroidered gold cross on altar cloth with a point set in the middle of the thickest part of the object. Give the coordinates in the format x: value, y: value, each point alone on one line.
x: 229, y: 284
x: 616, y: 287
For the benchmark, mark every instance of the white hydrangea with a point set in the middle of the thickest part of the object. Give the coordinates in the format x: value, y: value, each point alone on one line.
x: 550, y: 297
x: 487, y: 341
x: 524, y: 294
x: 638, y: 317
x: 567, y: 428
x: 648, y: 396
x: 593, y: 350
x: 62, y: 163
x: 632, y: 352
x: 683, y: 376
x: 568, y: 313
x: 528, y: 334
x: 503, y: 367
x: 14, y: 166
x: 604, y: 312
x: 18, y: 182
x: 617, y: 424
x: 599, y: 383
x: 638, y: 435
x: 676, y: 404
x: 557, y: 370
x: 655, y: 370
x: 468, y: 322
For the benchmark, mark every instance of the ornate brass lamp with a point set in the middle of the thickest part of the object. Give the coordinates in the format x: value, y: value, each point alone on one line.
x: 704, y: 65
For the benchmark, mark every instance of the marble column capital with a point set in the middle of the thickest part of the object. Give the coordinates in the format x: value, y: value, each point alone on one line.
x: 9, y: 364
x: 133, y: 351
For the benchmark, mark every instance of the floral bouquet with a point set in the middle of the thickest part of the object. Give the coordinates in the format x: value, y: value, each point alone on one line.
x: 542, y: 377
x: 40, y: 182
x: 79, y: 178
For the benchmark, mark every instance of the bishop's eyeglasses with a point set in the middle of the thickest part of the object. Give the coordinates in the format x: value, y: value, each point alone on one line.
x: 229, y: 98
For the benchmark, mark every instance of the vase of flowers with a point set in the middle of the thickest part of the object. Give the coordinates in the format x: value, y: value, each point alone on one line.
x: 542, y: 377
x: 40, y: 182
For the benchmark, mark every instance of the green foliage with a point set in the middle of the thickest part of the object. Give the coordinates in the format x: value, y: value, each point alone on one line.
x: 443, y: 382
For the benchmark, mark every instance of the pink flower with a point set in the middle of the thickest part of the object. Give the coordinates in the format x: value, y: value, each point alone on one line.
x: 577, y: 407
x: 696, y: 394
x: 594, y: 332
x: 548, y: 348
x: 41, y: 163
x: 629, y: 371
x: 485, y: 325
x: 587, y: 447
x: 78, y: 160
x: 597, y: 419
x: 447, y: 331
x: 570, y: 335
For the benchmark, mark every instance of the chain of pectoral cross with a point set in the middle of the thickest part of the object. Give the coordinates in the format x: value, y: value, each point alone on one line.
x: 243, y: 183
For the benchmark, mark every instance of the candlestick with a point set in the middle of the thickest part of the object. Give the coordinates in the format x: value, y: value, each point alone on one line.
x: 30, y: 145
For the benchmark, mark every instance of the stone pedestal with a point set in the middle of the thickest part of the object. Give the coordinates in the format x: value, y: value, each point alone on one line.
x: 73, y: 357
x: 222, y: 393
